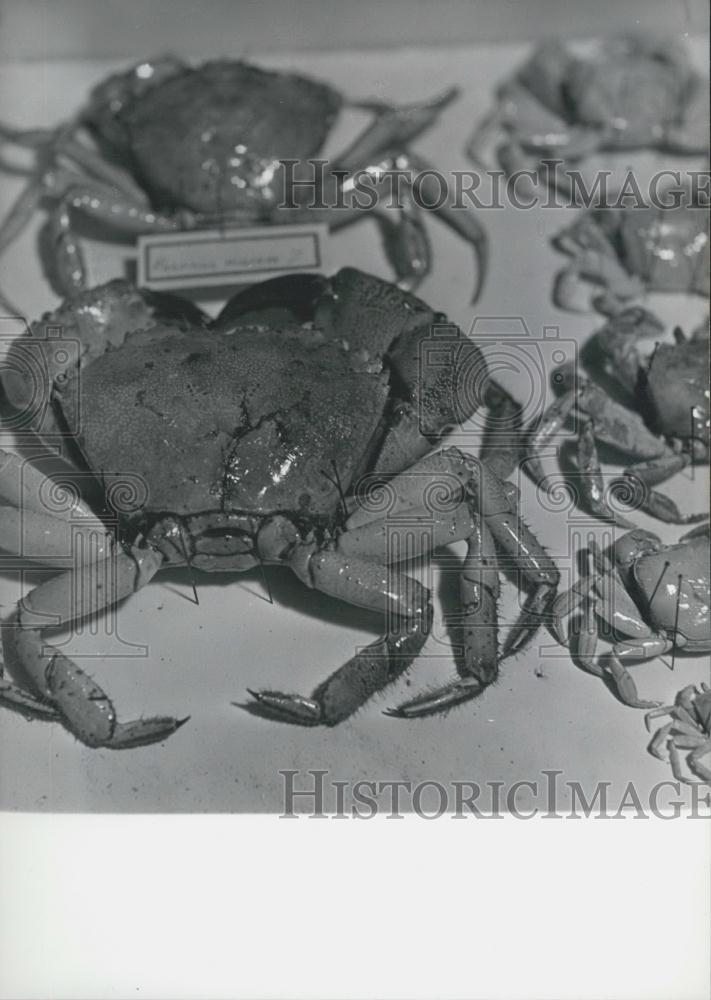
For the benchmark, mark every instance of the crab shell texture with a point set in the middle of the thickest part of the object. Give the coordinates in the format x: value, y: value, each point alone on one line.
x: 629, y: 93
x: 677, y: 387
x: 271, y: 409
x: 210, y: 138
x: 635, y: 89
x: 667, y: 247
x: 675, y: 585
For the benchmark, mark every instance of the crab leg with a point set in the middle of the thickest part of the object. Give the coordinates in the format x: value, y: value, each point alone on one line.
x: 392, y: 126
x: 479, y: 592
x: 591, y: 482
x: 404, y: 601
x: 53, y: 682
x: 102, y: 203
x: 451, y: 470
x: 654, y: 502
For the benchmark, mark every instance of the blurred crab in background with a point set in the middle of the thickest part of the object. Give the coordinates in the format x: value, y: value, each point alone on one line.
x: 635, y: 92
x: 653, y: 599
x: 640, y: 397
x: 619, y: 254
x: 689, y: 730
x: 178, y: 147
x: 249, y: 439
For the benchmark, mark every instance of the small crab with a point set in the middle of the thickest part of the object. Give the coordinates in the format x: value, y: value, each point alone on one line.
x: 179, y: 147
x: 689, y: 730
x: 629, y: 251
x: 663, y: 423
x: 249, y: 440
x: 634, y: 92
x: 656, y: 596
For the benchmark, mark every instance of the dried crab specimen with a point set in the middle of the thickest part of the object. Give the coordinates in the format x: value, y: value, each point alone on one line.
x: 635, y: 92
x: 179, y: 147
x: 688, y: 732
x: 653, y: 599
x: 662, y: 421
x: 251, y: 439
x: 619, y: 254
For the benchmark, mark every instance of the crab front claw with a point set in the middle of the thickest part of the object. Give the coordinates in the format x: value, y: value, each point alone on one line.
x: 48, y: 684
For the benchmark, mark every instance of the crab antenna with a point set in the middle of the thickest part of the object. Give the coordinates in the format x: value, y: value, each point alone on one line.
x: 265, y: 578
x: 676, y: 617
x: 188, y: 563
x: 667, y: 564
x: 336, y: 480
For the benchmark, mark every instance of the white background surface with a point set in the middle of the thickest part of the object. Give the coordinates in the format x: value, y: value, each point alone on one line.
x: 227, y: 906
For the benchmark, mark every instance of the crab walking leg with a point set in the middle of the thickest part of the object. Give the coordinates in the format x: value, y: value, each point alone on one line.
x: 591, y: 482
x: 406, y: 244
x: 392, y: 126
x: 96, y: 201
x: 431, y: 194
x: 502, y: 447
x: 621, y: 653
x: 55, y: 680
x: 565, y: 604
x: 545, y: 430
x: 406, y: 604
x: 654, y: 502
x: 30, y: 527
x: 455, y: 472
x: 479, y: 592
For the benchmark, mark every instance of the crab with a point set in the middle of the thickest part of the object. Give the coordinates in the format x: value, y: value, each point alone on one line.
x: 621, y: 253
x: 657, y: 596
x: 634, y: 92
x: 689, y: 730
x: 663, y: 423
x: 265, y: 436
x: 179, y: 147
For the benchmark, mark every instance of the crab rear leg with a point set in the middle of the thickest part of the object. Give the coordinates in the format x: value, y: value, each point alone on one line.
x: 479, y: 592
x: 497, y: 502
x: 55, y: 682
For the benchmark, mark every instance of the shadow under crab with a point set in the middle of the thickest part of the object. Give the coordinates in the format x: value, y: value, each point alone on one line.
x: 251, y: 438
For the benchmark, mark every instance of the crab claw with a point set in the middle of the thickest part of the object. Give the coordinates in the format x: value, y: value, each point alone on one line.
x: 438, y: 699
x: 284, y: 707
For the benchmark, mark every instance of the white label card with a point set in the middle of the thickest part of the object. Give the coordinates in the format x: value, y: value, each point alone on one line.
x: 207, y: 258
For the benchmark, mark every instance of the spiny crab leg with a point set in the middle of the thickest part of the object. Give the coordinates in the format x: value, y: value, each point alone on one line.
x: 404, y: 601
x: 357, y: 569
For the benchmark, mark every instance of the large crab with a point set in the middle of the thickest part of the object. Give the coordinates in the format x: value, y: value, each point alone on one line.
x: 652, y: 598
x: 663, y: 421
x: 618, y: 254
x: 178, y: 147
x: 249, y: 438
x: 631, y: 93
